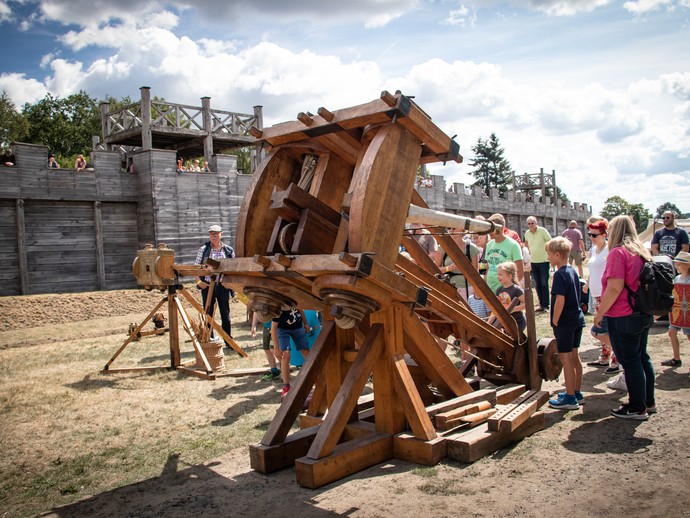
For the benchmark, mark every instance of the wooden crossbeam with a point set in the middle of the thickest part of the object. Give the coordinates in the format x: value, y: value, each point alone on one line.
x: 346, y: 400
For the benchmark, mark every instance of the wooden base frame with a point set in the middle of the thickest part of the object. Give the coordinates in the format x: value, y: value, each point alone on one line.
x: 176, y: 312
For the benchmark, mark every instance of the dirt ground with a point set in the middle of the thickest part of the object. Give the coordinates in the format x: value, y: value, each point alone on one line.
x: 584, y: 463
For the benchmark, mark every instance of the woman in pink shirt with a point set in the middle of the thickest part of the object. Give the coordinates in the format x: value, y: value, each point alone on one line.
x: 628, y: 329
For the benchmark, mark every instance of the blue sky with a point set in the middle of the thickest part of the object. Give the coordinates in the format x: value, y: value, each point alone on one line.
x: 598, y: 91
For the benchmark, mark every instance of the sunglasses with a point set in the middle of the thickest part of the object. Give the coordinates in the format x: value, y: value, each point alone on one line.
x: 667, y: 217
x: 594, y: 235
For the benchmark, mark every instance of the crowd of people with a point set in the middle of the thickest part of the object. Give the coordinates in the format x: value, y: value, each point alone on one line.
x: 555, y: 265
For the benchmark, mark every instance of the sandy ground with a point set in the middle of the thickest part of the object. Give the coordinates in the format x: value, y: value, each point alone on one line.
x: 584, y: 463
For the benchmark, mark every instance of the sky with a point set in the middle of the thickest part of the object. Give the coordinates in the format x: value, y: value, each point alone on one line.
x: 596, y: 90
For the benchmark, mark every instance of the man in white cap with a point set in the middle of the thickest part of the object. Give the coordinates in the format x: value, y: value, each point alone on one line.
x: 216, y: 249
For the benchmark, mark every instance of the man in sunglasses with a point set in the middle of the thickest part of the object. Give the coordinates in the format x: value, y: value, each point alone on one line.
x: 671, y: 239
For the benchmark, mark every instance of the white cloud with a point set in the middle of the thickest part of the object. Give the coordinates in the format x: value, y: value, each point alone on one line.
x: 21, y: 89
x: 645, y: 6
x: 5, y: 12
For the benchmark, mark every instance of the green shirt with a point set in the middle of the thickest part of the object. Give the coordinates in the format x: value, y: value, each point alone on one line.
x: 536, y: 241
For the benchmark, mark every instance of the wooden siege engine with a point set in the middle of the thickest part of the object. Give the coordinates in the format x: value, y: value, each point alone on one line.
x: 320, y: 228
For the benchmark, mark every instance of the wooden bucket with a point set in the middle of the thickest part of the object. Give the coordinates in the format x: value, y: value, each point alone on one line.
x: 214, y: 354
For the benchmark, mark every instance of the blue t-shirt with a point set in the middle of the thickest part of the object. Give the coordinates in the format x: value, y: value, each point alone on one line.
x: 567, y: 283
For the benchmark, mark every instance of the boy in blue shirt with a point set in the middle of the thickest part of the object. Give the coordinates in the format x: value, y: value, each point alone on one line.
x: 290, y: 324
x: 567, y: 321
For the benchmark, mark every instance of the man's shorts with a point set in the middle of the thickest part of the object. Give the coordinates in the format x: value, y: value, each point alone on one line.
x: 567, y: 338
x: 603, y: 329
x: 575, y: 255
x: 686, y: 330
x: 298, y: 335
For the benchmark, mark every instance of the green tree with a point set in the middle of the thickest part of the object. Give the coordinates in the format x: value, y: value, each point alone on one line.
x: 13, y: 125
x: 492, y: 170
x: 668, y: 206
x: 616, y: 206
x: 244, y: 159
x: 65, y: 125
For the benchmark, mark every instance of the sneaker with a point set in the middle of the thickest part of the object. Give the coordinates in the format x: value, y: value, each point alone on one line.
x: 602, y: 361
x: 651, y: 409
x: 625, y: 412
x: 672, y: 362
x: 578, y: 396
x: 286, y: 389
x: 614, y: 368
x: 271, y: 375
x: 564, y: 402
x: 618, y: 383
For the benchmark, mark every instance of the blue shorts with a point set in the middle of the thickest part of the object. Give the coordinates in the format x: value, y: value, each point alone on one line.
x: 603, y: 329
x: 686, y: 330
x: 298, y: 335
x: 567, y: 338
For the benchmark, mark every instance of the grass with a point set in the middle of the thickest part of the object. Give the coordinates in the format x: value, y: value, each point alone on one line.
x: 70, y: 432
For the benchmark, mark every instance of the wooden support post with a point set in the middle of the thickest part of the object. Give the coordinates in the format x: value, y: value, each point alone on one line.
x: 292, y: 404
x: 412, y: 404
x: 213, y: 323
x: 100, y: 256
x: 134, y: 334
x: 174, y: 337
x: 21, y: 248
x: 433, y: 361
x: 146, y: 138
x: 390, y: 417
x: 346, y: 400
x: 208, y: 128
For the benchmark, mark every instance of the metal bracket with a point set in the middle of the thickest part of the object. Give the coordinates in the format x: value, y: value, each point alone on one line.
x: 420, y: 299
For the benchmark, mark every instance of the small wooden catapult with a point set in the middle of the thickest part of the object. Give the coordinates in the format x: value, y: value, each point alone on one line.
x: 154, y: 268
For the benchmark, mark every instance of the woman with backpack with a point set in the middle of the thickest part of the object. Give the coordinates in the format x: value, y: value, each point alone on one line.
x: 628, y: 328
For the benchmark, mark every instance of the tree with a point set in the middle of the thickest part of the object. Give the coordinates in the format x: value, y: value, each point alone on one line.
x: 492, y: 168
x: 66, y: 125
x: 617, y: 206
x: 13, y: 125
x: 668, y: 206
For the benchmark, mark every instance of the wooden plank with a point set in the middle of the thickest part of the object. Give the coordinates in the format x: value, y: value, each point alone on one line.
x: 411, y: 449
x: 473, y: 397
x: 513, y: 415
x: 347, y: 458
x: 346, y: 399
x: 473, y: 445
x: 449, y: 419
x: 267, y: 459
x: 411, y: 402
x: 507, y: 393
x: 434, y: 362
x: 332, y: 178
x: 377, y: 216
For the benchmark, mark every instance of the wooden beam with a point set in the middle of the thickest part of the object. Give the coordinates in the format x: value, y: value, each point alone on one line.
x: 434, y: 362
x: 478, y: 442
x: 346, y: 399
x: 347, y: 458
x: 412, y: 404
x: 292, y: 404
x: 267, y: 459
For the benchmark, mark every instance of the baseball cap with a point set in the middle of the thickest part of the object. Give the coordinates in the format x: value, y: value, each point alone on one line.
x: 215, y: 228
x: 682, y: 257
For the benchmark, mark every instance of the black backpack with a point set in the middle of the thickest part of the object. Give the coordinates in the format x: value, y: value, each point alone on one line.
x: 655, y: 293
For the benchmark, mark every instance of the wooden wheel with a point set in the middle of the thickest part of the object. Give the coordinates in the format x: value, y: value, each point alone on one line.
x: 550, y: 365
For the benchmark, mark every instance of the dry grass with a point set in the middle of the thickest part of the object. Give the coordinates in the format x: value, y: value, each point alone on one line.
x: 69, y: 432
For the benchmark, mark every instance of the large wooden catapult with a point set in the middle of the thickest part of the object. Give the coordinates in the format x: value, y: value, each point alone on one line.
x: 320, y: 228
